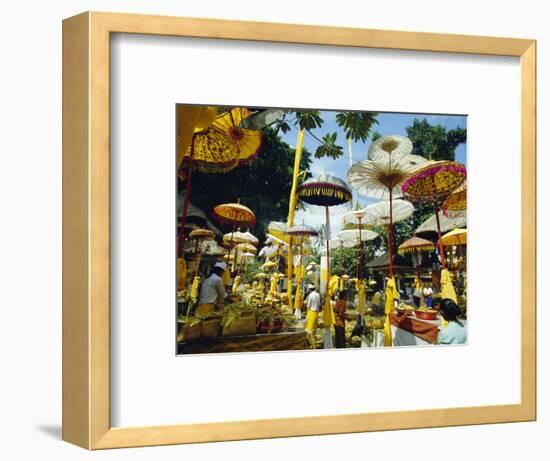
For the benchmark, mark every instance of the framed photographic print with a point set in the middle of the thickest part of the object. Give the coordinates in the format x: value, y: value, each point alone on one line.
x: 254, y: 213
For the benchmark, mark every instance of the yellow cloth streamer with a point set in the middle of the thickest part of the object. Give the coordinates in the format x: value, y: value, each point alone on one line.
x: 182, y: 270
x: 333, y: 285
x: 299, y: 297
x: 195, y: 288
x: 328, y: 313
x: 361, y: 299
x: 391, y: 295
x: 236, y: 284
x: 225, y: 277
x: 273, y: 286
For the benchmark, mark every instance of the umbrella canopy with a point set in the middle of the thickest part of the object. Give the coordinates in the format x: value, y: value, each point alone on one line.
x: 325, y: 190
x: 415, y: 244
x: 211, y: 248
x: 434, y: 182
x: 302, y: 230
x: 248, y: 142
x: 250, y: 238
x: 447, y: 223
x: 338, y: 243
x: 240, y: 237
x: 246, y: 247
x: 393, y: 144
x: 455, y: 237
x: 354, y: 235
x: 234, y: 214
x: 378, y: 214
x: 376, y: 178
x: 456, y: 201
x: 202, y: 234
x: 223, y: 145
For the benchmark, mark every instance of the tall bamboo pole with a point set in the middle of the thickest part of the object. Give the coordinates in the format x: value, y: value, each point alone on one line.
x: 292, y: 207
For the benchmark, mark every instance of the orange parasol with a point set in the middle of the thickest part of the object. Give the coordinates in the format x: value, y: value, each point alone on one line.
x: 234, y: 214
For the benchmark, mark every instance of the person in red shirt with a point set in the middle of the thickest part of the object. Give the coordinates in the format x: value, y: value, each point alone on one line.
x: 340, y: 320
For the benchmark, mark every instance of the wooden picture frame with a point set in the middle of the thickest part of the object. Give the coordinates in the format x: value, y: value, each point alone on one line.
x: 86, y: 221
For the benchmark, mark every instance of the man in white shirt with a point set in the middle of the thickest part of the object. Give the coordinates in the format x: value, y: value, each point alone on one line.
x: 313, y: 303
x: 212, y: 290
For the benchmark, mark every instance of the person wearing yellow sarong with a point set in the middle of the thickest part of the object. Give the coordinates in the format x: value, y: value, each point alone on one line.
x: 313, y: 303
x: 391, y: 296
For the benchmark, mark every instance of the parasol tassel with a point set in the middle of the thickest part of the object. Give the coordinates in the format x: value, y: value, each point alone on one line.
x: 182, y: 270
x: 391, y: 295
x: 195, y: 288
x: 236, y: 284
x: 361, y: 299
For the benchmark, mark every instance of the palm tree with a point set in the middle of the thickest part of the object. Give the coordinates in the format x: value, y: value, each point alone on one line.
x: 357, y: 126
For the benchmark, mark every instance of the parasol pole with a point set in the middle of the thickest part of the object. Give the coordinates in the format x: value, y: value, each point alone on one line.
x: 360, y: 251
x: 327, y: 340
x: 292, y: 206
x: 439, y: 241
x: 186, y: 199
x: 198, y: 256
x: 391, y: 234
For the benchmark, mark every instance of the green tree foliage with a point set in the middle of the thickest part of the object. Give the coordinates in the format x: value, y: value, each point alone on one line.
x: 357, y: 125
x: 329, y: 148
x: 263, y: 186
x: 346, y: 260
x: 434, y: 141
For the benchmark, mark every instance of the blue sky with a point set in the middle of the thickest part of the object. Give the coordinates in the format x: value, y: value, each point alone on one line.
x: 388, y: 123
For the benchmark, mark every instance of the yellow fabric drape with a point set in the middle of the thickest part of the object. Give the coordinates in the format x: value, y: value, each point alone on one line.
x: 333, y: 285
x: 292, y: 205
x: 273, y: 285
x: 225, y: 277
x: 341, y: 285
x: 361, y: 298
x: 182, y: 270
x: 328, y: 313
x: 391, y: 295
x: 299, y: 297
x: 195, y: 288
x: 447, y: 290
x: 236, y: 284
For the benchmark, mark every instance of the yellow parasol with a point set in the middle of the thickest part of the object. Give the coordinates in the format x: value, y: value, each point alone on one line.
x: 246, y: 248
x: 218, y: 147
x: 248, y: 142
x: 455, y: 237
x: 234, y: 214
